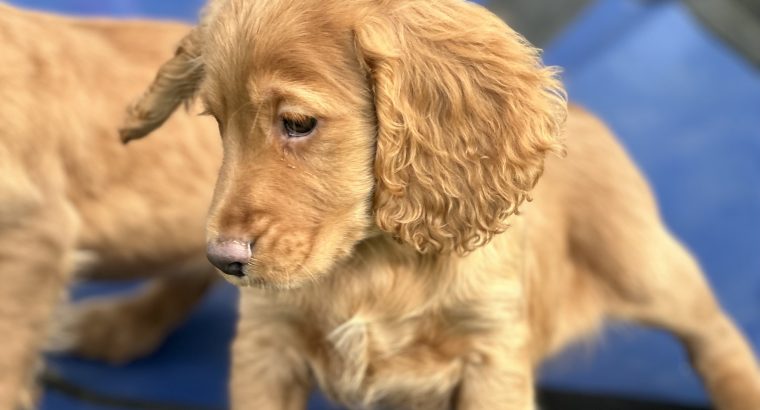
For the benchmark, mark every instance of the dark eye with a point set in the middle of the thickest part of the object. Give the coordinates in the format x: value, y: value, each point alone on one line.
x: 299, y: 126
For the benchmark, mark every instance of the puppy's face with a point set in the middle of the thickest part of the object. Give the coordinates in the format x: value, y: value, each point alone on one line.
x: 296, y: 123
x: 344, y: 118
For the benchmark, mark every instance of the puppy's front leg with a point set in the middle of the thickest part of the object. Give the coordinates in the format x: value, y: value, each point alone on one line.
x: 269, y: 370
x: 498, y: 377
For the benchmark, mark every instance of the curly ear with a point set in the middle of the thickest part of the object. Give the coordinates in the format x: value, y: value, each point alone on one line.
x: 176, y: 81
x: 466, y: 114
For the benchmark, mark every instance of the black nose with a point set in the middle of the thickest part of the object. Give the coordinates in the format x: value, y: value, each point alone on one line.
x: 229, y: 256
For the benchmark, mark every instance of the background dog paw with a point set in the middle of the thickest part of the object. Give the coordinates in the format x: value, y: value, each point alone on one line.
x: 113, y: 330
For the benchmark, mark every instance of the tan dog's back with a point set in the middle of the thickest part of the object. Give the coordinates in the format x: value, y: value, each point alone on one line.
x: 68, y: 81
x: 598, y: 182
x: 73, y: 198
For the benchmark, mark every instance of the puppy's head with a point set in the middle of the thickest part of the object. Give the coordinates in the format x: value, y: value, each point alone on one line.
x: 344, y: 118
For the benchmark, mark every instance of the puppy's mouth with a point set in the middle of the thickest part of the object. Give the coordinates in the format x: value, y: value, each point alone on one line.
x: 244, y: 279
x: 236, y: 262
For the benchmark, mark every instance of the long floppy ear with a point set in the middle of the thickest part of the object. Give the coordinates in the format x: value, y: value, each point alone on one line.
x: 466, y: 114
x: 176, y: 81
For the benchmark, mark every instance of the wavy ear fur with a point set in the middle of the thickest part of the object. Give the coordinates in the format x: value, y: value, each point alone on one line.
x: 466, y: 114
x: 176, y: 81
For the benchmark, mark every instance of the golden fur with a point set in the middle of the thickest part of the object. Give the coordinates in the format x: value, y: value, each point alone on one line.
x: 382, y: 269
x: 74, y: 201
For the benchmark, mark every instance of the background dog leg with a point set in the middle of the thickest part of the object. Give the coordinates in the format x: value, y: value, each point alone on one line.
x: 678, y: 299
x: 121, y: 329
x: 268, y: 371
x: 32, y: 272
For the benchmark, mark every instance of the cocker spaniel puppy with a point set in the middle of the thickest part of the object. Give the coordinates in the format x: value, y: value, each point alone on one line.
x: 74, y: 201
x: 376, y: 154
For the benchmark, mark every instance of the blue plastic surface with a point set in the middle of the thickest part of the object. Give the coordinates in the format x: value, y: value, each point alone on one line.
x: 685, y: 106
x: 183, y: 10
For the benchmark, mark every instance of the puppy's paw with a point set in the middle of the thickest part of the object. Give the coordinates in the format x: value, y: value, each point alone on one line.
x: 115, y: 330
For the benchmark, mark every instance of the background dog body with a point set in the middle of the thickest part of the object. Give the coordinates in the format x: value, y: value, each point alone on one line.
x: 73, y: 200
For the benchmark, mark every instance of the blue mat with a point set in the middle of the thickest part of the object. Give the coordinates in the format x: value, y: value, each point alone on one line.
x: 686, y: 108
x: 183, y: 10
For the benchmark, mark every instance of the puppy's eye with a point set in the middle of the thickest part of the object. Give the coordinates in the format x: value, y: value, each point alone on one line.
x: 298, y: 126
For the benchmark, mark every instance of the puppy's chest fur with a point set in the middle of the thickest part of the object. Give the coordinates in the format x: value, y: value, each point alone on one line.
x: 396, y: 331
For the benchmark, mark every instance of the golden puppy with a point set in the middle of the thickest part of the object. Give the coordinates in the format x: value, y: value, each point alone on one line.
x: 376, y: 153
x: 75, y: 201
